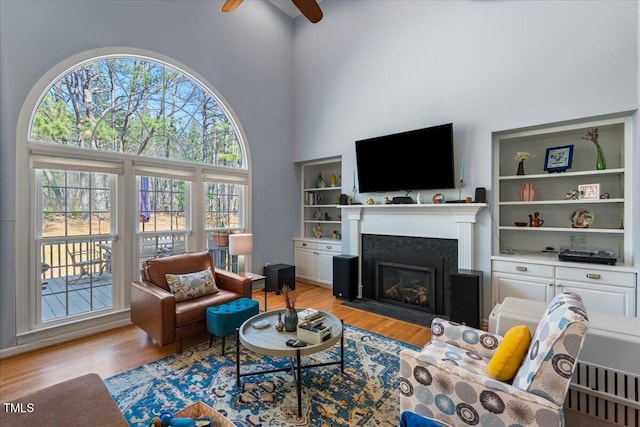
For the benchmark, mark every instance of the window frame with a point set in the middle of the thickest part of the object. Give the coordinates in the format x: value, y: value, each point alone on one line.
x: 29, y: 333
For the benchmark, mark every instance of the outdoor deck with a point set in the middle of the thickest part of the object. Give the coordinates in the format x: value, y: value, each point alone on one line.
x: 67, y: 296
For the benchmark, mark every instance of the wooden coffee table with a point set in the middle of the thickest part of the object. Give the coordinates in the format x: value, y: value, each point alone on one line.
x: 270, y: 342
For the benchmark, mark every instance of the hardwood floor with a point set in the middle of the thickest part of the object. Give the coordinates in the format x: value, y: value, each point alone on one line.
x: 121, y: 349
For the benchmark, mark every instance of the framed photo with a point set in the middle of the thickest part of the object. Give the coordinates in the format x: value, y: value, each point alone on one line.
x: 589, y: 191
x: 558, y: 159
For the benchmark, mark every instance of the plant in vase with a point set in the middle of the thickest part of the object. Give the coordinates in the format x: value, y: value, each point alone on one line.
x: 290, y: 314
x: 592, y: 135
x: 521, y: 156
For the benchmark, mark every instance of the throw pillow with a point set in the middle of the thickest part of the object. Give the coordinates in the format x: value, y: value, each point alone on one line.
x: 508, y: 357
x: 192, y: 285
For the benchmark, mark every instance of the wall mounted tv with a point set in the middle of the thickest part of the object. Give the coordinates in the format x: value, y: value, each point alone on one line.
x: 420, y: 159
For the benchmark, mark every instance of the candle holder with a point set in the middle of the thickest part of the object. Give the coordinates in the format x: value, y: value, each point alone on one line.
x: 460, y: 187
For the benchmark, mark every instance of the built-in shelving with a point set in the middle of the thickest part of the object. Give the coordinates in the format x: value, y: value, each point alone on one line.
x: 525, y: 260
x: 611, y: 227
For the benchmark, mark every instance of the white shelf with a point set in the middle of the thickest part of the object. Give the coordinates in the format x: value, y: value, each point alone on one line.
x: 561, y: 202
x: 561, y: 229
x: 321, y: 221
x: 322, y: 188
x: 591, y: 173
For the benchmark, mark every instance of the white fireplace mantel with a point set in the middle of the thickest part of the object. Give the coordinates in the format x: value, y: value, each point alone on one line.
x: 444, y: 221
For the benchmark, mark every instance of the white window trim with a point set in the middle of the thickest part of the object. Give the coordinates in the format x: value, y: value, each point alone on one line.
x: 28, y: 338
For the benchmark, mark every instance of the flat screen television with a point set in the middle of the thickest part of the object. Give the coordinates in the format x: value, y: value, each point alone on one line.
x: 420, y: 159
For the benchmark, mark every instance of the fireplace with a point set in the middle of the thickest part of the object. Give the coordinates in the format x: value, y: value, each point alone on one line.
x: 408, y: 273
x: 444, y: 240
x: 406, y: 285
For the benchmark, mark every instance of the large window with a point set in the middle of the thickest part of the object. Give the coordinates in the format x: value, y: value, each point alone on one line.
x: 138, y: 106
x: 128, y: 158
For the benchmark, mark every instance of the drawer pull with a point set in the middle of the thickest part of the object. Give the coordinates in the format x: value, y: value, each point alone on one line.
x: 329, y: 247
x: 304, y: 244
x: 519, y: 268
x: 593, y: 276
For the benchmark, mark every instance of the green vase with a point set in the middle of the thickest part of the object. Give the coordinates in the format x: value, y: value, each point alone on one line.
x: 601, y: 163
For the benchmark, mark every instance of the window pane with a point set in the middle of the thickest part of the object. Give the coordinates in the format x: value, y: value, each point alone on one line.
x: 75, y: 203
x: 137, y: 106
x: 222, y: 205
x: 162, y: 204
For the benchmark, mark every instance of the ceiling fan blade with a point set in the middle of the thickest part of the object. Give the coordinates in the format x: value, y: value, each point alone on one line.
x: 230, y: 5
x: 309, y: 8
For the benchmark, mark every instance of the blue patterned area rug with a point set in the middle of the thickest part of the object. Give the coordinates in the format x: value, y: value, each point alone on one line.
x: 365, y: 395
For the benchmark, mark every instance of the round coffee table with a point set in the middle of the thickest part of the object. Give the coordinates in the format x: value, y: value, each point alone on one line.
x: 269, y: 342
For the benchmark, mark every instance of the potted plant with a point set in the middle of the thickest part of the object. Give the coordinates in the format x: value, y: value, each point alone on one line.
x: 220, y: 237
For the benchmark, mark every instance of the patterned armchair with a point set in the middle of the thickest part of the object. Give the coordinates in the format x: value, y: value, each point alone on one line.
x: 448, y: 378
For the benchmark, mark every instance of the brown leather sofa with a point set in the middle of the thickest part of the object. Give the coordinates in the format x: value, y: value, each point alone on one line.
x: 155, y: 310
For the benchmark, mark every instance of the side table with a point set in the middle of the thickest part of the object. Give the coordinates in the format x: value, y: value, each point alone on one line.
x: 255, y: 283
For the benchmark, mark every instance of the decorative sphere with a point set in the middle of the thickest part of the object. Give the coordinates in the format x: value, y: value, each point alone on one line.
x: 438, y: 198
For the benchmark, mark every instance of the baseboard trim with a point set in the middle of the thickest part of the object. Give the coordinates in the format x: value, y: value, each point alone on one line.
x: 35, y: 340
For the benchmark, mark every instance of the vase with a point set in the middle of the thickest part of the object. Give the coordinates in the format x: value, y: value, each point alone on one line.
x: 290, y: 320
x: 601, y: 163
x: 520, y: 168
x: 527, y: 192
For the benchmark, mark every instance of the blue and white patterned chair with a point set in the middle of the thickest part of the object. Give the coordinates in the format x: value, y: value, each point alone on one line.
x: 447, y: 380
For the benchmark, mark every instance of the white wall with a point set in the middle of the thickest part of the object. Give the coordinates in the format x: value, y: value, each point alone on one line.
x: 382, y: 66
x: 246, y: 55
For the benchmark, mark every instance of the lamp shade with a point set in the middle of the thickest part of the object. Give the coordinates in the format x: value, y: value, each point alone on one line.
x: 240, y: 244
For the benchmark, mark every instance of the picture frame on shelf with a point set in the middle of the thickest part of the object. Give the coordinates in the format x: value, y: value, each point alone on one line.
x: 589, y: 191
x: 558, y: 159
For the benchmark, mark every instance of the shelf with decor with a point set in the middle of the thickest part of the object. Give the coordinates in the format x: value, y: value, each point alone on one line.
x: 321, y: 189
x: 565, y: 185
x: 321, y: 221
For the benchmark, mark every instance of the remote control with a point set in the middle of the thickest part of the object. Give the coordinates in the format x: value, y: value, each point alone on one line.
x: 296, y: 343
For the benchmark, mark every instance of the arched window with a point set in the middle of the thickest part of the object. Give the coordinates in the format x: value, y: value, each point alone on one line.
x: 137, y: 106
x: 127, y: 158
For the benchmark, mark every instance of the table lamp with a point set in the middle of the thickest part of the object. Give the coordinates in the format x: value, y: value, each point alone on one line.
x: 241, y: 244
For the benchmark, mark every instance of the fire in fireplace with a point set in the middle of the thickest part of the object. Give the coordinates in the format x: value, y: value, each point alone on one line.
x: 406, y: 285
x: 408, y: 273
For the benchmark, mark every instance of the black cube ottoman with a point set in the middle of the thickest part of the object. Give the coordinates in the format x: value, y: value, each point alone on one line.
x: 279, y: 275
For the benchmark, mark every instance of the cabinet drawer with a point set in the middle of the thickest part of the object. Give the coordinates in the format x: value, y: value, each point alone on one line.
x: 330, y: 247
x: 523, y: 268
x: 594, y: 275
x: 301, y: 244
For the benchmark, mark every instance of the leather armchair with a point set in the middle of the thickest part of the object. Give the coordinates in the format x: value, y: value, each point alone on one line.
x: 154, y: 308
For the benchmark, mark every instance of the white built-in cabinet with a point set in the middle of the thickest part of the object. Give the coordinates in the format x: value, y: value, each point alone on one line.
x: 314, y: 260
x: 525, y: 260
x: 321, y: 224
x: 603, y: 288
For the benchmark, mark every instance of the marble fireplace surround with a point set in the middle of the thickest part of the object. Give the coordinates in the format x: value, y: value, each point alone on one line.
x: 444, y: 221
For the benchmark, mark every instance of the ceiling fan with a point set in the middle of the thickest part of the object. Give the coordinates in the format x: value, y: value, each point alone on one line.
x: 309, y: 8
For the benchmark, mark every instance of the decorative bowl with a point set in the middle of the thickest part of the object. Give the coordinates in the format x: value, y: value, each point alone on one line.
x: 582, y: 218
x: 521, y: 224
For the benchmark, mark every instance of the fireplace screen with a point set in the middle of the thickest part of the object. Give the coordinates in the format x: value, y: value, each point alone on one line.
x: 406, y: 285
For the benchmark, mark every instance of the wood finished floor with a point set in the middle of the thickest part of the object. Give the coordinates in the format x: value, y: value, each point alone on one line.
x: 119, y: 350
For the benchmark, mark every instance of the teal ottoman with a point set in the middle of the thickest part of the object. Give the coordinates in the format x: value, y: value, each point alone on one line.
x: 224, y: 319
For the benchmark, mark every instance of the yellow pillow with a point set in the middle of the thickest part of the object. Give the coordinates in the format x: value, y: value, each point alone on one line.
x: 508, y: 357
